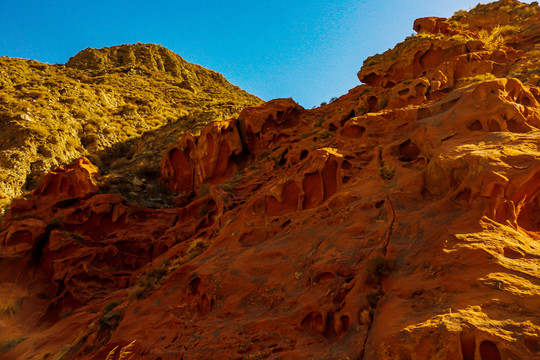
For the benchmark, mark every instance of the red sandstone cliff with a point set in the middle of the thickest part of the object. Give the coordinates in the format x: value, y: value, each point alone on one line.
x: 401, y: 221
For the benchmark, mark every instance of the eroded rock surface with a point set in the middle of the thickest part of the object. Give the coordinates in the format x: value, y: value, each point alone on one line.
x: 401, y: 221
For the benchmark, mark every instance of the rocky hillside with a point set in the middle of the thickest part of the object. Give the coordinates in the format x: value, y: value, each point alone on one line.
x: 401, y: 221
x: 120, y: 106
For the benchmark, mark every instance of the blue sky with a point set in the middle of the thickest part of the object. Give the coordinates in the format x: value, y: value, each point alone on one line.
x: 307, y: 50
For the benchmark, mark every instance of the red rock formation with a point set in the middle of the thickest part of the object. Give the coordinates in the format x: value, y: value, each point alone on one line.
x: 433, y: 25
x: 399, y: 222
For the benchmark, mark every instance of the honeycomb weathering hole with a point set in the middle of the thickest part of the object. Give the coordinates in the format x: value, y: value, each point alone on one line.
x: 494, y: 126
x: 194, y: 285
x: 409, y: 151
x: 354, y: 131
x: 528, y: 218
x: 345, y: 322
x: 489, y: 351
x: 468, y: 344
x: 313, y: 320
x: 464, y: 195
x: 532, y: 343
x: 475, y: 126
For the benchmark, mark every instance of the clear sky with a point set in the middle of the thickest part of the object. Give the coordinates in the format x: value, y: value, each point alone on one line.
x: 309, y: 50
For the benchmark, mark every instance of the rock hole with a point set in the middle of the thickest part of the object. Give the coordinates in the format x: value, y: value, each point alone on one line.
x: 346, y: 179
x: 528, y: 218
x: 494, y: 126
x: 489, y: 351
x: 285, y: 224
x: 304, y: 154
x: 313, y: 190
x: 290, y: 197
x: 423, y: 113
x: 532, y: 343
x: 371, y: 79
x: 283, y: 158
x: 419, y: 89
x: 346, y: 165
x: 372, y: 103
x: 348, y: 117
x: 329, y: 178
x: 279, y: 116
x: 318, y: 319
x: 468, y: 344
x: 354, y: 131
x: 409, y: 151
x: 475, y: 126
x: 66, y: 203
x: 379, y: 203
x: 204, y: 305
x: 329, y: 330
x: 332, y: 127
x: 194, y: 285
x: 525, y: 101
x: 403, y: 92
x: 324, y: 276
x: 345, y: 322
x: 39, y: 245
x: 464, y: 195
x: 313, y: 320
x: 515, y: 127
x: 511, y: 253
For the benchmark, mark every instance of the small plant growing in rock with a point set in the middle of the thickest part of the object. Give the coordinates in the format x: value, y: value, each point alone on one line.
x: 197, y: 247
x: 110, y: 320
x: 325, y: 134
x: 111, y: 305
x: 148, y: 282
x: 11, y: 307
x: 10, y: 344
x: 203, y: 190
x: 387, y: 173
x: 54, y: 224
x: 124, y: 354
x: 373, y: 298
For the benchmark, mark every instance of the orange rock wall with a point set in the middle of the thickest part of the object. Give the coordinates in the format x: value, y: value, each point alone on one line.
x: 399, y: 222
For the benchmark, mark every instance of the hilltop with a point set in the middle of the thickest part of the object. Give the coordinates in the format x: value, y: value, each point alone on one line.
x: 400, y: 221
x: 120, y: 106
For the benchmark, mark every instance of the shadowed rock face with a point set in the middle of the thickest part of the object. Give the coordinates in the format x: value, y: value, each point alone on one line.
x: 401, y: 221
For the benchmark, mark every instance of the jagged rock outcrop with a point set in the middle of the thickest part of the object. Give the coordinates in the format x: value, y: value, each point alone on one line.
x: 401, y: 221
